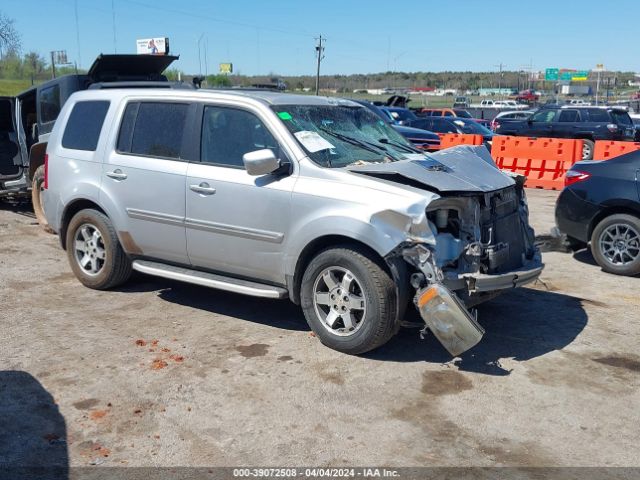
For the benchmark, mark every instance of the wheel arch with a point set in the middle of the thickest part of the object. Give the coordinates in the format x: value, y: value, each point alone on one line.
x: 613, y: 209
x: 70, y: 210
x: 317, y: 245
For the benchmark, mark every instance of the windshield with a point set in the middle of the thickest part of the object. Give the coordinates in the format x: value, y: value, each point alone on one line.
x: 470, y: 126
x: 340, y: 135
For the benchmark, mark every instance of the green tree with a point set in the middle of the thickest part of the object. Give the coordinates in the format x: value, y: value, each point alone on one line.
x: 219, y: 81
x: 9, y: 36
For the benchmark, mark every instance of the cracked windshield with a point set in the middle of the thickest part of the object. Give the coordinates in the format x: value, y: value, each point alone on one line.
x: 342, y: 135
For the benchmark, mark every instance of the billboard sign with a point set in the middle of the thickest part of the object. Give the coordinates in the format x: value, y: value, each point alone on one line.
x: 226, y: 68
x: 152, y: 46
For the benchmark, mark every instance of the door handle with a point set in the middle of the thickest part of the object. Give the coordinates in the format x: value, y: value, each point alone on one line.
x: 117, y: 174
x: 203, y: 189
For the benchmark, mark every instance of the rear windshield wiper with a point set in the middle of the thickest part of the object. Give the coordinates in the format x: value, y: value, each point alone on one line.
x: 406, y: 148
x: 371, y: 147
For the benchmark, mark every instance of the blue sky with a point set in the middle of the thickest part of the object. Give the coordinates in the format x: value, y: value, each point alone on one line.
x: 277, y: 36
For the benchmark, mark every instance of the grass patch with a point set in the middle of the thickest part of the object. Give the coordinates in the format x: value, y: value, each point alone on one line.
x: 10, y: 88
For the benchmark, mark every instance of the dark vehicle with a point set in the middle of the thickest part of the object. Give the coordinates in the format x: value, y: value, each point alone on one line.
x: 27, y: 120
x: 401, y: 116
x: 454, y: 125
x: 600, y: 206
x: 461, y: 102
x: 588, y: 123
x: 421, y: 139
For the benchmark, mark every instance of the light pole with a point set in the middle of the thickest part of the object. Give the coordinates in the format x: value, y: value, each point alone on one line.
x: 199, y: 57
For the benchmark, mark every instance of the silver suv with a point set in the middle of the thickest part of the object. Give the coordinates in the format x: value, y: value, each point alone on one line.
x: 278, y: 195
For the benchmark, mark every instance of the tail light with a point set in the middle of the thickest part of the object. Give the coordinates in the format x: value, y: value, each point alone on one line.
x: 612, y: 127
x: 575, y: 176
x: 495, y: 125
x: 45, y: 184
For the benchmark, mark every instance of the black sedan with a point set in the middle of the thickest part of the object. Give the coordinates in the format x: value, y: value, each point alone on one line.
x: 420, y: 138
x: 454, y: 125
x: 600, y: 204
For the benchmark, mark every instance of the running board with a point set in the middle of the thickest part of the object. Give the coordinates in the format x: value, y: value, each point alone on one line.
x: 211, y: 280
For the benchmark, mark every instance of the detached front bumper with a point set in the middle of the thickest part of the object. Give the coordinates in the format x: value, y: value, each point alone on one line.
x: 480, y: 282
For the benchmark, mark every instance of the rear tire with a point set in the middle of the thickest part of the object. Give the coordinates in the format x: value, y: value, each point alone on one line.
x: 349, y: 300
x: 36, y: 198
x: 94, y: 251
x: 615, y: 244
x: 587, y: 149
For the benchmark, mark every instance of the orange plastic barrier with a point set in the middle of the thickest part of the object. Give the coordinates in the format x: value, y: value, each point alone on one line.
x: 544, y: 161
x: 605, y: 150
x: 452, y: 139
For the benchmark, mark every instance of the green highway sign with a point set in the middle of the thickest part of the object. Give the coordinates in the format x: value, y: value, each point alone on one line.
x: 551, y: 74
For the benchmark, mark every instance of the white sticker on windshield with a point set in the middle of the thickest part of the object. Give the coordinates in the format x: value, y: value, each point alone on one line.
x: 312, y: 141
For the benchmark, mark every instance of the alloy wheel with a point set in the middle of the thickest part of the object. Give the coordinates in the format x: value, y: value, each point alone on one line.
x: 89, y: 249
x: 620, y: 244
x: 339, y: 301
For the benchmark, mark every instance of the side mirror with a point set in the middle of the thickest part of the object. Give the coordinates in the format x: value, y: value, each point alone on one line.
x: 260, y: 162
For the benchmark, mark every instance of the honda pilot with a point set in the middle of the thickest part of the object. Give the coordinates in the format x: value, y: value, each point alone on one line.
x: 277, y: 195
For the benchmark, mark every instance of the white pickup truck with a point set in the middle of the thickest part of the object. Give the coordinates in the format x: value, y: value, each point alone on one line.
x: 500, y: 104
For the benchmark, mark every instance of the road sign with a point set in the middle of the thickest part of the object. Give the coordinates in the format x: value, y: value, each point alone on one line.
x: 551, y: 74
x: 574, y: 75
x: 226, y: 68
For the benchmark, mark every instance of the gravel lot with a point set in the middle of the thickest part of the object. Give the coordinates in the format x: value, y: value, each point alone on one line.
x: 166, y: 374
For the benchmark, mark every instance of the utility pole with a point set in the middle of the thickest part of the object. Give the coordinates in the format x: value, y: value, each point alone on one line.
x: 320, y: 57
x: 113, y: 18
x: 500, y: 65
x: 53, y: 66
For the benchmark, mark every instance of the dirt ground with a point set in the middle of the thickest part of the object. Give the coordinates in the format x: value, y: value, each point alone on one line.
x: 160, y: 373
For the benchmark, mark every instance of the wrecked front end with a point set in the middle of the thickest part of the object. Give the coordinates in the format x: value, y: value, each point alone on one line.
x: 469, y: 245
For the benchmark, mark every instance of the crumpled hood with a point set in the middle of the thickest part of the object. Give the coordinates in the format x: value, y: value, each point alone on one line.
x: 463, y: 168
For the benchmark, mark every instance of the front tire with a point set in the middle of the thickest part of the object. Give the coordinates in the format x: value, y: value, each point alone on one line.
x: 615, y: 244
x: 37, y: 190
x: 349, y: 300
x: 94, y: 251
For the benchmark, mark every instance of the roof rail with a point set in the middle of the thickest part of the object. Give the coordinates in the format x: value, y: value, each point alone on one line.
x: 138, y: 84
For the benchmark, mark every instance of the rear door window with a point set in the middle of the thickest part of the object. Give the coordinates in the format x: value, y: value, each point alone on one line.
x: 569, y: 116
x: 82, y: 131
x: 153, y: 129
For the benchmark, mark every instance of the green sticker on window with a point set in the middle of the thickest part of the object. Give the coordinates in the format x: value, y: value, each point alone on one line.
x: 285, y: 116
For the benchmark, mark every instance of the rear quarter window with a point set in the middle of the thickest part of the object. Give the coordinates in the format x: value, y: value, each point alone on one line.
x: 621, y: 117
x: 83, y: 128
x: 598, y: 115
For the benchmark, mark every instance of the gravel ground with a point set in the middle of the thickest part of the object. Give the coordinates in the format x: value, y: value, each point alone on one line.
x: 160, y: 373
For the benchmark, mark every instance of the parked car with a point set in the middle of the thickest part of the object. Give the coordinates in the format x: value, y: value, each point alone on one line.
x: 421, y: 139
x: 511, y: 104
x: 588, y: 123
x: 508, y: 116
x: 401, y: 116
x: 277, y: 195
x: 578, y: 102
x: 454, y: 125
x: 27, y: 120
x: 450, y: 112
x: 461, y: 102
x: 527, y: 96
x: 600, y: 207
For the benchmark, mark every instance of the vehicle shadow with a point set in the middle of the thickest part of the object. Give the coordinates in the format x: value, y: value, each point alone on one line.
x: 33, y: 437
x: 521, y: 324
x: 276, y: 313
x: 585, y: 256
x: 19, y: 206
